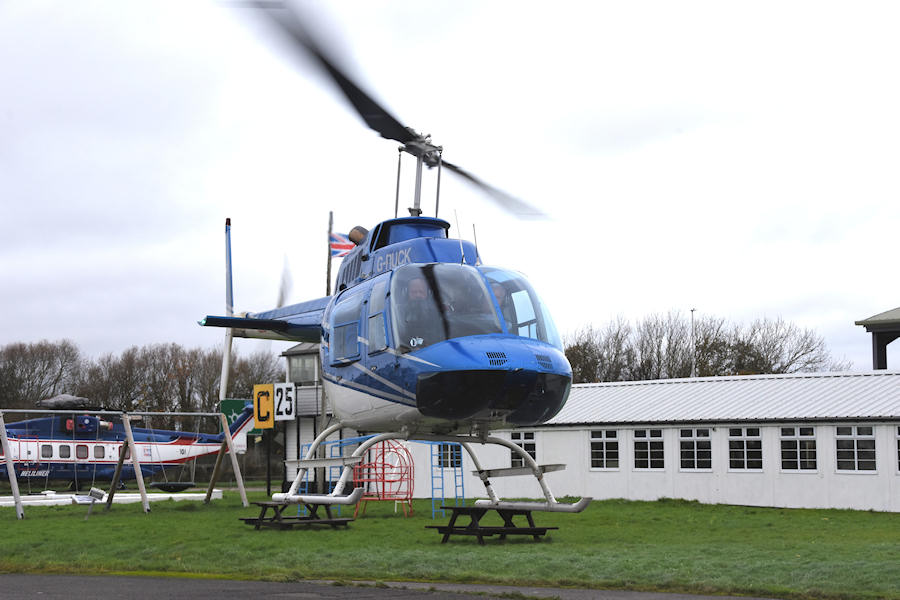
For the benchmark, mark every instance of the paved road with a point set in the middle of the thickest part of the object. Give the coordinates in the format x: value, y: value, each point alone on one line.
x: 66, y: 587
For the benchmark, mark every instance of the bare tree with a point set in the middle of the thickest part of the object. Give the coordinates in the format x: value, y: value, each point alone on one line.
x: 32, y: 372
x: 259, y: 367
x: 660, y: 348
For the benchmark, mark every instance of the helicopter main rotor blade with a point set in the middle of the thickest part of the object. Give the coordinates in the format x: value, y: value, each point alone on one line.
x: 507, y: 202
x: 376, y: 116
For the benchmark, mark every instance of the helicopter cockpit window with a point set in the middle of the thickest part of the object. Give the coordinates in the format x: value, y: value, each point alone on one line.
x: 434, y: 302
x: 345, y: 327
x: 377, y: 335
x: 523, y: 312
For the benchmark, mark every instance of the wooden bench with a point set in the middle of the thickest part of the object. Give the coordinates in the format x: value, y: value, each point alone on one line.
x: 475, y: 514
x: 279, y: 520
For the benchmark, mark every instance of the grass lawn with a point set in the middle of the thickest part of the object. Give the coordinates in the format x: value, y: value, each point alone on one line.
x: 667, y: 545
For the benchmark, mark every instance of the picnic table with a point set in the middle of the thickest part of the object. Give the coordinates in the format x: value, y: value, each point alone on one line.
x: 281, y: 521
x: 474, y: 527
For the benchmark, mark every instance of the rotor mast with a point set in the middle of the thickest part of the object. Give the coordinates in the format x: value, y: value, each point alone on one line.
x: 429, y: 155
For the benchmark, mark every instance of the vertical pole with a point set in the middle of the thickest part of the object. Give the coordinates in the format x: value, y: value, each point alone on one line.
x: 417, y: 197
x: 229, y: 311
x: 328, y: 270
x: 268, y: 435
x: 437, y: 196
x: 397, y: 195
x: 11, y: 469
x: 693, y: 346
x: 135, y: 461
x: 234, y: 461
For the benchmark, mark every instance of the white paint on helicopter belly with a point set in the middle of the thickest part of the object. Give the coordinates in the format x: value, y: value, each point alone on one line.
x: 359, y: 410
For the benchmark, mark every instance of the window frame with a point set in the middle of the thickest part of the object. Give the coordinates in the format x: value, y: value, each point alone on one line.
x: 743, y: 438
x: 855, y: 436
x: 695, y: 439
x: 68, y: 452
x: 449, y: 455
x: 648, y: 439
x: 604, y: 440
x: 527, y: 440
x: 897, y: 437
x: 798, y: 437
x: 350, y: 299
x: 377, y: 306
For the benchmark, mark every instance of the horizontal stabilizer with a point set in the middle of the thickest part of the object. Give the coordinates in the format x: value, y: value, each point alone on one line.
x: 538, y: 506
x: 299, y: 322
x: 511, y: 471
x: 316, y: 499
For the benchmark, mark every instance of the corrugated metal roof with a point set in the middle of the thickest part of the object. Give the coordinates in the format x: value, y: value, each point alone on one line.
x: 805, y: 396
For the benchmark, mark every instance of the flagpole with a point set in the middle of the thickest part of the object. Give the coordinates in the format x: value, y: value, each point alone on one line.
x: 328, y: 272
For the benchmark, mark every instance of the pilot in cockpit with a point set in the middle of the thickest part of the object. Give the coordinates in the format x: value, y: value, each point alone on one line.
x: 418, y: 314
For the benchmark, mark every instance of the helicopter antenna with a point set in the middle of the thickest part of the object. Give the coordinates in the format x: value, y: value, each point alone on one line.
x: 397, y: 196
x: 462, y: 252
x: 475, y: 237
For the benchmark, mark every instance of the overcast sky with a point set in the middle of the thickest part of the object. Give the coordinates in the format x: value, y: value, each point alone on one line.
x: 737, y: 158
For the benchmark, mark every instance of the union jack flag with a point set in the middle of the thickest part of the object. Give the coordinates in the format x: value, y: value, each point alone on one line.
x: 339, y: 244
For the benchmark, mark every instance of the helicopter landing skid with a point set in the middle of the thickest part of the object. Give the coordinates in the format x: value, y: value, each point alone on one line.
x: 337, y: 495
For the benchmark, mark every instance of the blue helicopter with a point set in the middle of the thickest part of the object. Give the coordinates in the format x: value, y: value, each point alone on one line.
x: 421, y: 340
x: 81, y: 448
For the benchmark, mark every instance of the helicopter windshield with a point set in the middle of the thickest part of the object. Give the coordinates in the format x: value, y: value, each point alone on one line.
x: 434, y: 302
x: 522, y: 311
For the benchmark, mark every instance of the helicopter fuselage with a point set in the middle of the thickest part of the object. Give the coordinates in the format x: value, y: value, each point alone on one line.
x: 421, y: 336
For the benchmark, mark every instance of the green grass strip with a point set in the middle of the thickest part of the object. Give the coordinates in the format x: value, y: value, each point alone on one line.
x: 668, y: 545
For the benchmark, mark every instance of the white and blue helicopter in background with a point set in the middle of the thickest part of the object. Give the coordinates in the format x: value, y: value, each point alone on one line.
x: 420, y: 340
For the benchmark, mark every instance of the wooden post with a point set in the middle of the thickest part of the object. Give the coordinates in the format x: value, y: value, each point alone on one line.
x: 117, y: 476
x: 216, y: 471
x: 11, y: 469
x: 138, y: 475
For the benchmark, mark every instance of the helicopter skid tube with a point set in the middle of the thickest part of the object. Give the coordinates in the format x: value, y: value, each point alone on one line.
x: 353, y: 498
x: 539, y: 506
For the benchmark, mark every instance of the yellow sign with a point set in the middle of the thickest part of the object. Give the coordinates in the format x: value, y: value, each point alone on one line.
x: 264, y: 406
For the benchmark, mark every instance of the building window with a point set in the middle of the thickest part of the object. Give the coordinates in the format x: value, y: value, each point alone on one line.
x: 525, y: 440
x: 65, y: 451
x: 798, y: 448
x: 46, y: 451
x: 304, y: 368
x: 450, y: 456
x: 648, y: 449
x: 855, y: 448
x: 99, y: 451
x: 696, y: 449
x: 604, y: 449
x: 744, y: 448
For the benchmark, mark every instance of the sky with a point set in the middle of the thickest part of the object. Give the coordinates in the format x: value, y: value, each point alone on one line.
x: 735, y: 158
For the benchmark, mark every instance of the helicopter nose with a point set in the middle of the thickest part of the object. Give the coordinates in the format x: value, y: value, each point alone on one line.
x: 522, y: 381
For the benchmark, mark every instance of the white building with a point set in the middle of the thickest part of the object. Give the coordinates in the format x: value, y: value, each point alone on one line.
x: 824, y: 440
x: 827, y: 440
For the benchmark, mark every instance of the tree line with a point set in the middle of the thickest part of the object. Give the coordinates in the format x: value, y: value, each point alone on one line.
x: 668, y: 346
x: 153, y: 378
